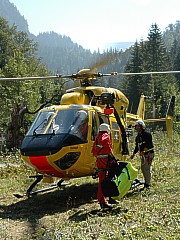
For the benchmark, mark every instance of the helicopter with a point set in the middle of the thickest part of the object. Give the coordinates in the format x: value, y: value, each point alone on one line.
x: 59, y: 141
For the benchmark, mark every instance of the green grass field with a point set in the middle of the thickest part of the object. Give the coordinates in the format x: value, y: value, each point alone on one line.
x: 73, y: 212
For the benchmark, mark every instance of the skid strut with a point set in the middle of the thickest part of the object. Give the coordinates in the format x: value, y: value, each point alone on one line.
x: 29, y: 191
x: 38, y: 179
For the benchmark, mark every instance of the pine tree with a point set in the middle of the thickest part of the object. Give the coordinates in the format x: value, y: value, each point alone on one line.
x: 132, y: 84
x: 175, y: 58
x: 150, y: 56
x: 18, y: 59
x: 159, y: 87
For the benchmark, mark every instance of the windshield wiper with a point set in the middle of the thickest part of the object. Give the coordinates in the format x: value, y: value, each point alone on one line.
x: 34, y: 131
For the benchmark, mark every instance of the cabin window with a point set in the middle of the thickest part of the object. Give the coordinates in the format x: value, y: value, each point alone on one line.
x: 103, y: 119
x: 115, y: 131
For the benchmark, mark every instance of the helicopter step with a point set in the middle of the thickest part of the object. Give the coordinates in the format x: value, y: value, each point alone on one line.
x: 137, y: 183
x: 29, y: 192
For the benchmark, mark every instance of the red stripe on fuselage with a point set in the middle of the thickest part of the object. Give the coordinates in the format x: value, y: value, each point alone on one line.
x: 42, y: 164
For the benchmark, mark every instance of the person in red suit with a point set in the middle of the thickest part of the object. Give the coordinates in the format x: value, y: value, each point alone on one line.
x: 102, y: 150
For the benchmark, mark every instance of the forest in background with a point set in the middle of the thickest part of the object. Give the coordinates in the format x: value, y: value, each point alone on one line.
x: 22, y: 54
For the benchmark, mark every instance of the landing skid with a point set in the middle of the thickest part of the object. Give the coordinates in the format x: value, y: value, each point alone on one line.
x: 29, y: 192
x: 137, y: 183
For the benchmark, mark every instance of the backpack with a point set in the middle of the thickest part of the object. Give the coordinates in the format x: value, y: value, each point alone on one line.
x: 119, y: 179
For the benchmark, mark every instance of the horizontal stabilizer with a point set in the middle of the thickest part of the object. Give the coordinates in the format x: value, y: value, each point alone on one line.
x: 132, y: 118
x: 168, y: 119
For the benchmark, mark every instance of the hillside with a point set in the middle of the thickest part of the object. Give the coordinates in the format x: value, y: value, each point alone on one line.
x: 58, y: 52
x: 61, y: 54
x: 10, y: 12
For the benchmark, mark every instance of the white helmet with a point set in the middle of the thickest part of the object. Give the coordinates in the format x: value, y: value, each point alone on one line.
x: 104, y: 127
x: 141, y: 123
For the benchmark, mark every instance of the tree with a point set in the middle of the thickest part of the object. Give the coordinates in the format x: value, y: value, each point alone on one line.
x: 151, y: 56
x: 160, y: 87
x: 18, y: 59
x: 132, y: 84
x: 175, y: 58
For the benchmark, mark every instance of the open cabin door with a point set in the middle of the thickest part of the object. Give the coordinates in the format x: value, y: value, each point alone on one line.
x: 116, y: 138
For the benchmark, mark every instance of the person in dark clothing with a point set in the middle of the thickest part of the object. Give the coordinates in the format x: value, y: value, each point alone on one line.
x: 145, y: 147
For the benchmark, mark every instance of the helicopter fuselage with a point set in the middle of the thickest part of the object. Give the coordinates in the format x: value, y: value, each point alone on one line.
x: 59, y: 142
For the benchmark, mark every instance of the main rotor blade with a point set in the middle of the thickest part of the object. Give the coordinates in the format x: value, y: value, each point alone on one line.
x: 103, y: 61
x: 141, y: 73
x: 30, y: 78
x: 74, y: 76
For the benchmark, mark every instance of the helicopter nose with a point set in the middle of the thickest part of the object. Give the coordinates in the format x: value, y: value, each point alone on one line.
x: 41, y: 163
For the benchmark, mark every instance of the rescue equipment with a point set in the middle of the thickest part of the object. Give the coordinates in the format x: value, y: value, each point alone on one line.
x: 119, y: 180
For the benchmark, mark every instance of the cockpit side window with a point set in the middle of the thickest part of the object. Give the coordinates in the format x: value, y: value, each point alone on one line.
x: 103, y: 119
x: 80, y: 125
x: 94, y: 127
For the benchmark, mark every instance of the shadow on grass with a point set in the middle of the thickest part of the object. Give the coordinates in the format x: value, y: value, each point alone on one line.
x: 34, y: 208
x: 84, y: 215
x: 59, y: 201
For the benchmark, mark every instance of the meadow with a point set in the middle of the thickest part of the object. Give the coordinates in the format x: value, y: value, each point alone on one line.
x: 74, y: 213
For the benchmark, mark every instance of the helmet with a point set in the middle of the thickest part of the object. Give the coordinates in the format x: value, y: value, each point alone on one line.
x: 104, y: 127
x: 81, y: 114
x: 49, y: 116
x: 141, y: 123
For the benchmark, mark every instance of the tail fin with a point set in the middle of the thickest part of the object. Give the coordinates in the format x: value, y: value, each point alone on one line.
x: 169, y: 117
x: 141, y: 107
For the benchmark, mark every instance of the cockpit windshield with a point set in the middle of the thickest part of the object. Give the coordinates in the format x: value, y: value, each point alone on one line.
x: 69, y: 121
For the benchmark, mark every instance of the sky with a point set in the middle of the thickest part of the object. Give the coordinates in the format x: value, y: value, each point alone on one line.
x: 92, y: 23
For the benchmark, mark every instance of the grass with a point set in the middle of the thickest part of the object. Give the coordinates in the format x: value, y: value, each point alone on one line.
x: 73, y: 212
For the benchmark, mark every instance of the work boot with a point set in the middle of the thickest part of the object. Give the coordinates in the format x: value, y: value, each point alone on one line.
x: 146, y: 186
x: 105, y: 205
x: 112, y: 201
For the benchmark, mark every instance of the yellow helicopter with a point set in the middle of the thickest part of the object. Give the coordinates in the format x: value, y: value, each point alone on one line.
x: 59, y: 141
